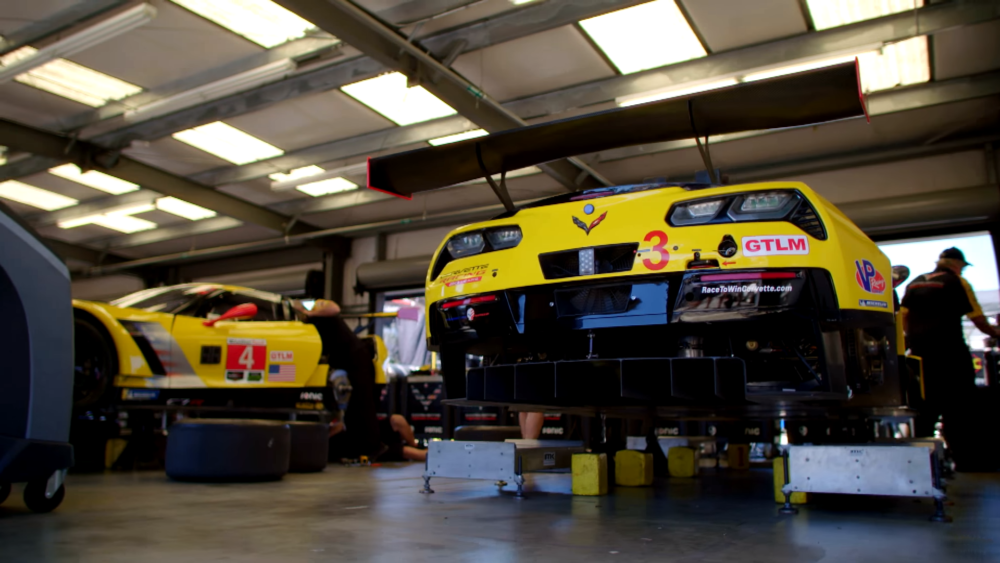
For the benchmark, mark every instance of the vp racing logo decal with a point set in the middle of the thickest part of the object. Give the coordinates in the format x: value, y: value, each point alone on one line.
x: 593, y: 224
x: 868, y: 277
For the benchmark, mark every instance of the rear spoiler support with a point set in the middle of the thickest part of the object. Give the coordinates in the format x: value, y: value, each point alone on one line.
x: 706, y: 156
x: 501, y: 189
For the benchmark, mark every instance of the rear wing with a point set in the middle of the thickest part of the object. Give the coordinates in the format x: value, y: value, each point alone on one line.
x: 805, y: 98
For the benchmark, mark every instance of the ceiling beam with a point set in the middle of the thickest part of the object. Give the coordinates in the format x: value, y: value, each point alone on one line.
x: 115, y: 133
x: 384, y: 44
x: 88, y: 156
x: 528, y: 20
x: 309, y: 52
x: 170, y: 232
x: 69, y: 251
x: 57, y: 23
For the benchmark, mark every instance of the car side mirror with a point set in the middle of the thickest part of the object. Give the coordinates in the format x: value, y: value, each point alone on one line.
x: 241, y: 311
x: 899, y: 275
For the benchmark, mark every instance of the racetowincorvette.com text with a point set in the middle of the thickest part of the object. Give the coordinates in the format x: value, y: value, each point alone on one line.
x: 747, y: 289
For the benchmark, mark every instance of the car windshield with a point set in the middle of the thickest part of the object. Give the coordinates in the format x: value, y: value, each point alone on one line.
x: 164, y: 299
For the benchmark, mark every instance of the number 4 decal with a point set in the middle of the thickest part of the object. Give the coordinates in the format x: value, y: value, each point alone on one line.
x: 659, y: 247
x: 246, y: 358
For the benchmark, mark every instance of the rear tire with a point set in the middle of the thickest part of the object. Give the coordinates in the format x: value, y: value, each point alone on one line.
x: 94, y: 363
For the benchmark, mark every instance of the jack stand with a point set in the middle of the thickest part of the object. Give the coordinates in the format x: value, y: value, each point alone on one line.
x: 519, y: 495
x: 937, y: 467
x: 787, y: 508
x: 939, y: 515
x: 427, y: 490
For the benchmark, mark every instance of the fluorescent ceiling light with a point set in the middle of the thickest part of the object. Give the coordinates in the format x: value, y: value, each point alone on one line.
x: 312, y: 174
x: 898, y: 64
x: 228, y: 143
x: 261, y: 21
x: 388, y: 95
x: 213, y: 91
x: 22, y: 61
x: 124, y: 223
x: 458, y: 137
x: 296, y: 173
x: 327, y: 187
x: 644, y: 36
x: 119, y: 212
x: 35, y: 197
x: 72, y: 81
x: 673, y: 93
x: 832, y: 13
x: 119, y: 219
x: 94, y: 179
x: 184, y: 209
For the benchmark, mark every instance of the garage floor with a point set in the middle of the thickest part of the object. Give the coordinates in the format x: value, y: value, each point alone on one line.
x: 375, y: 514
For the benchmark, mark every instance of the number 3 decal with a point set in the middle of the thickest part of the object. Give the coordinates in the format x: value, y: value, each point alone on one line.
x: 660, y: 248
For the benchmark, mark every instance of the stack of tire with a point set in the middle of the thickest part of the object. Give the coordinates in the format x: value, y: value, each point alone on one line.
x: 231, y: 450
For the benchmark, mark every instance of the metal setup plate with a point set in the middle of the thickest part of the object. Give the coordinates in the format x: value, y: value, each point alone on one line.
x: 869, y: 469
x: 498, y: 461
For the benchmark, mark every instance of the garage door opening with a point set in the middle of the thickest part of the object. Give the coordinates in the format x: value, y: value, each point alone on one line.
x: 404, y: 335
x: 920, y: 255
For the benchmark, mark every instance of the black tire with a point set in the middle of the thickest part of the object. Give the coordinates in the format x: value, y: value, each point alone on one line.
x: 223, y: 450
x: 310, y: 447
x: 94, y: 363
x: 4, y: 491
x: 34, y: 496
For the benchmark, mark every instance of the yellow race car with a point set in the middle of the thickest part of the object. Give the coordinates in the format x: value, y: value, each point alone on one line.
x: 201, y: 344
x: 659, y: 294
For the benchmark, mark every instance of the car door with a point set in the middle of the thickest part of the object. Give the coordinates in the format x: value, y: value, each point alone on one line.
x: 267, y: 351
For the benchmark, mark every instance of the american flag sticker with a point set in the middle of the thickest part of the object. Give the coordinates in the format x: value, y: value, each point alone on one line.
x: 283, y: 373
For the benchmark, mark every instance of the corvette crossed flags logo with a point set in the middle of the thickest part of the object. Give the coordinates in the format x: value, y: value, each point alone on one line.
x: 593, y: 224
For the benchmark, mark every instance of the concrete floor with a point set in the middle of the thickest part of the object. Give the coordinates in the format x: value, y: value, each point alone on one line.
x: 376, y: 514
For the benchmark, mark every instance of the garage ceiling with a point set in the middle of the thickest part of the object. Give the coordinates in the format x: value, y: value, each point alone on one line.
x: 534, y: 57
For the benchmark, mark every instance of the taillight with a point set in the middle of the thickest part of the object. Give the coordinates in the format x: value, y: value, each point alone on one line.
x: 468, y: 301
x: 776, y: 205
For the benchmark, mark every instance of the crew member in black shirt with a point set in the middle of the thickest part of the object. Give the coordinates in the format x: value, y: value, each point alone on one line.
x: 932, y: 311
x: 343, y: 350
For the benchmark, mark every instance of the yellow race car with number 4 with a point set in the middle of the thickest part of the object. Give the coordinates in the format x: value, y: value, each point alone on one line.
x: 674, y: 295
x: 201, y: 344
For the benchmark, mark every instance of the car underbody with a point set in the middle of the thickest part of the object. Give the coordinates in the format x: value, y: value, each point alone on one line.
x: 696, y: 340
